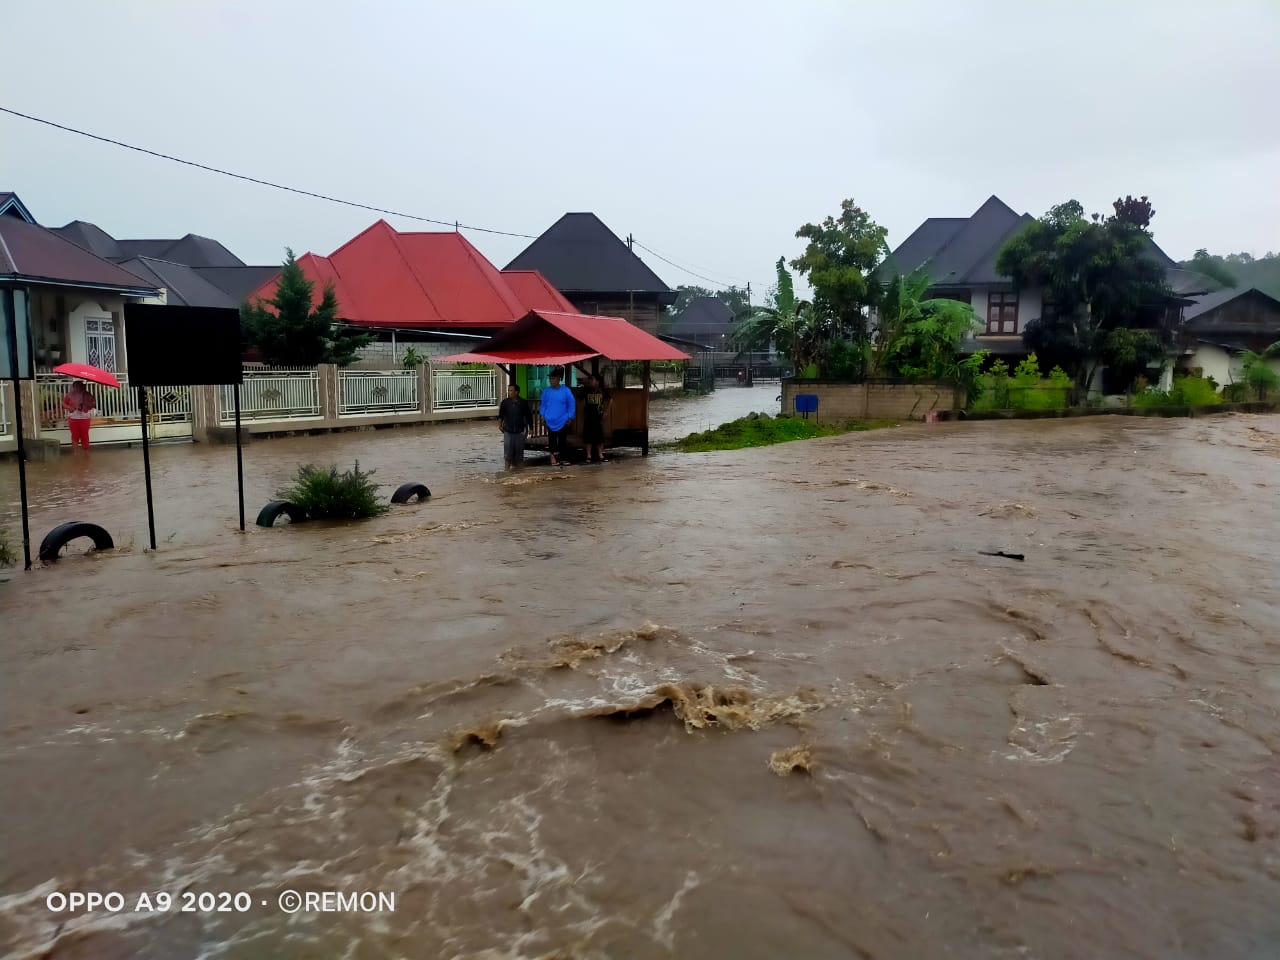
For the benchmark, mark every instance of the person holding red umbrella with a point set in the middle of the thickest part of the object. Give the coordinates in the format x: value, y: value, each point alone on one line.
x: 79, y: 404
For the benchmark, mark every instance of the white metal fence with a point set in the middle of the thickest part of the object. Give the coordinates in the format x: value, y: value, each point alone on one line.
x: 269, y: 394
x: 5, y: 430
x: 463, y: 389
x: 363, y: 392
x: 167, y: 404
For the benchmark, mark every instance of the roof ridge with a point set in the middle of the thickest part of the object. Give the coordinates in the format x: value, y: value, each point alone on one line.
x: 505, y: 293
x: 395, y: 240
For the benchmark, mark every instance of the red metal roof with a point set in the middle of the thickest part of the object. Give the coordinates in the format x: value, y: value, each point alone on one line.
x: 545, y: 334
x: 536, y: 292
x: 389, y: 279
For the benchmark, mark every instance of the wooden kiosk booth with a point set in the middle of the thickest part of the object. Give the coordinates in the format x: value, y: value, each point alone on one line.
x: 545, y: 338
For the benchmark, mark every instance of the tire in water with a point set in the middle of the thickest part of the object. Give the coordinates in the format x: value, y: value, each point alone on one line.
x: 64, y: 533
x: 268, y: 515
x: 405, y: 491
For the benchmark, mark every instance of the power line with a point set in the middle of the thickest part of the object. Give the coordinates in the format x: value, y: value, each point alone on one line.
x: 321, y: 196
x: 264, y: 183
x: 692, y: 273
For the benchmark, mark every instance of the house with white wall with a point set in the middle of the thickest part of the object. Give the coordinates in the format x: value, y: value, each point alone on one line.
x: 1220, y: 327
x: 959, y: 254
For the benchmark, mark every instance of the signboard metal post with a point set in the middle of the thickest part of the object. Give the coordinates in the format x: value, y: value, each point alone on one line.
x: 17, y: 363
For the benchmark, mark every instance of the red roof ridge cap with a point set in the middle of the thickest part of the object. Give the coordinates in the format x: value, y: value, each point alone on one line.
x: 395, y: 240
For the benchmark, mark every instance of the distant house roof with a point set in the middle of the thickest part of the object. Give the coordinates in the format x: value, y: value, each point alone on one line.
x: 536, y: 292
x: 544, y: 337
x: 35, y: 254
x: 703, y: 317
x: 191, y: 250
x: 93, y: 238
x: 424, y: 280
x: 1189, y: 283
x: 580, y: 255
x: 238, y: 282
x: 962, y: 252
x: 183, y: 285
x: 12, y: 206
x: 1259, y: 312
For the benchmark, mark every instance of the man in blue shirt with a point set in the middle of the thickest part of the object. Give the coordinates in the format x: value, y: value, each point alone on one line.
x: 557, y: 408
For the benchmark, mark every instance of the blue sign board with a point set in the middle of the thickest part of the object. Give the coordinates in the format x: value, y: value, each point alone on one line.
x: 806, y: 403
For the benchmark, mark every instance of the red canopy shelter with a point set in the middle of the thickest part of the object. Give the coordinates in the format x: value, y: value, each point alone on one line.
x: 543, y: 337
x: 548, y: 338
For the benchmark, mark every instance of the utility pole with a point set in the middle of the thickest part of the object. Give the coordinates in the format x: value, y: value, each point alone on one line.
x: 631, y: 293
x: 750, y: 348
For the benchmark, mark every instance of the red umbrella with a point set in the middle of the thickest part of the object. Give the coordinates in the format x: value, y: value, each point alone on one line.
x: 82, y: 371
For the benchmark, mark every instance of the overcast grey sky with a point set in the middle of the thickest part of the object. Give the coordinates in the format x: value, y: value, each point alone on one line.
x: 709, y: 130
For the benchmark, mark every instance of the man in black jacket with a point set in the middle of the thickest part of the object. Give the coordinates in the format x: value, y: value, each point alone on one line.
x: 513, y: 419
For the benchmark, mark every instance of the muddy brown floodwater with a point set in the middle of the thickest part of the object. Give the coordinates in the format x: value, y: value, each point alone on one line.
x: 755, y: 704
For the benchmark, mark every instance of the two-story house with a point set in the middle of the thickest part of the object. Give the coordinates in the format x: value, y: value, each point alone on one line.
x: 959, y: 254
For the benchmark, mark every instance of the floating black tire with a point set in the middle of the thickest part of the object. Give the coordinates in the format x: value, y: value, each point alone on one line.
x: 64, y: 533
x: 405, y: 491
x: 267, y: 515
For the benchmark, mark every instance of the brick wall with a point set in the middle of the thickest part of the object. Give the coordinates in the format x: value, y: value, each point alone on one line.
x: 872, y: 401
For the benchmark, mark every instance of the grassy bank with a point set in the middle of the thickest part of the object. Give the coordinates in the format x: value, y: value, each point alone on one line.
x: 761, y: 430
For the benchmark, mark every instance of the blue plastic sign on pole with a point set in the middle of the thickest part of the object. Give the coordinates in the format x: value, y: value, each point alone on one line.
x: 807, y: 403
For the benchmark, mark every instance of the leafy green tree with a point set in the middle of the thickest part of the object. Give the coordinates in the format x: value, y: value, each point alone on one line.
x: 841, y: 263
x: 1097, y: 273
x: 290, y: 329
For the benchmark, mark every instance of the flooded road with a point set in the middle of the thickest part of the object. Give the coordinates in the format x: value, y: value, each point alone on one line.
x: 748, y: 704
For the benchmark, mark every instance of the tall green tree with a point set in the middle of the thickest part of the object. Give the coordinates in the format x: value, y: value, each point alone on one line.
x: 290, y: 329
x: 1098, y: 275
x: 841, y: 262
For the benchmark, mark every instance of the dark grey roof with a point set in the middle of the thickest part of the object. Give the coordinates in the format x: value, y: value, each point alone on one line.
x: 963, y: 252
x: 197, y: 251
x: 924, y: 242
x: 1263, y: 301
x: 703, y: 317
x: 142, y: 248
x: 578, y: 254
x: 92, y: 238
x: 12, y: 206
x: 1188, y: 283
x: 971, y: 245
x: 183, y: 285
x: 237, y: 282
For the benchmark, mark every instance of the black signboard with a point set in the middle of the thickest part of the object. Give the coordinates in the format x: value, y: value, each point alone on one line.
x: 182, y: 346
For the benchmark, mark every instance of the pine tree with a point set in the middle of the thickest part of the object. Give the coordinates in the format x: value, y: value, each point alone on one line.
x: 290, y: 330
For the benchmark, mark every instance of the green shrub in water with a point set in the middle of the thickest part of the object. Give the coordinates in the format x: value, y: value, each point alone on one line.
x: 326, y: 494
x: 7, y: 557
x: 1186, y: 392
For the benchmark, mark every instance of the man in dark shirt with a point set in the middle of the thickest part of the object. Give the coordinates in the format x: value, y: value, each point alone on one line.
x: 595, y: 404
x: 513, y: 420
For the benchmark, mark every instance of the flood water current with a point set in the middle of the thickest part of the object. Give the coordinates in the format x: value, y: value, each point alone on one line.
x: 751, y: 704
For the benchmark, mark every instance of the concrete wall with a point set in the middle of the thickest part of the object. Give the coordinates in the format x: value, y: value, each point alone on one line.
x: 1225, y: 367
x: 872, y: 401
